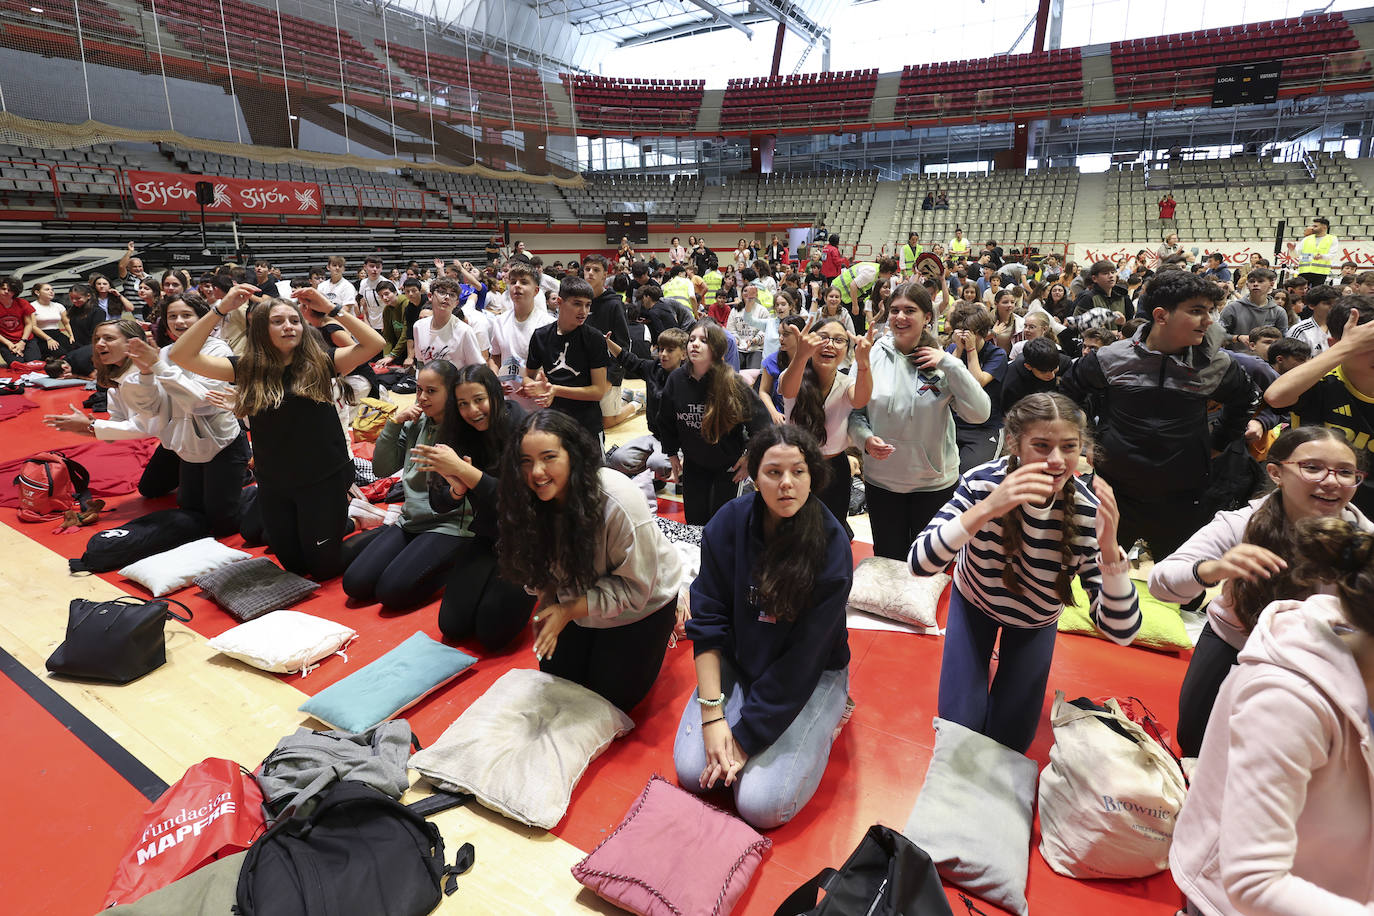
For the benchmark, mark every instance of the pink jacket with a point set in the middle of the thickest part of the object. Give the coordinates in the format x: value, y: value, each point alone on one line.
x: 1279, y: 820
x: 1172, y: 578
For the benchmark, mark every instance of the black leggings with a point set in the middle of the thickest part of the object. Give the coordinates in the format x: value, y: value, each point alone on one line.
x: 620, y: 663
x: 837, y: 493
x: 162, y: 474
x: 704, y: 491
x: 305, y: 525
x: 215, y: 488
x: 401, y: 569
x: 897, y: 519
x: 36, y: 349
x: 478, y: 602
x: 1213, y: 658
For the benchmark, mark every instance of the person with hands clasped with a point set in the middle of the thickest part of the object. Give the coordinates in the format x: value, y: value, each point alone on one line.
x: 580, y: 536
x: 819, y: 398
x: 285, y: 382
x: 1019, y: 529
x: 1315, y: 474
x: 906, y: 431
x: 707, y: 412
x: 971, y: 342
x: 768, y: 633
x: 403, y: 565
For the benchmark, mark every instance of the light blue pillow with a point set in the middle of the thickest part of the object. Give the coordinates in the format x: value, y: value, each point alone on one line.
x: 393, y: 683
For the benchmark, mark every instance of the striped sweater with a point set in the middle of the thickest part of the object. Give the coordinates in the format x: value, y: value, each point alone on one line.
x: 1115, y: 610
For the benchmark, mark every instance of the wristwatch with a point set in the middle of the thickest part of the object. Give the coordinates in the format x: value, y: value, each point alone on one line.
x: 334, y: 312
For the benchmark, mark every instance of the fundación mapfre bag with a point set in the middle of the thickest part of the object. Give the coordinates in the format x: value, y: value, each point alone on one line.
x: 214, y: 810
x: 1110, y: 795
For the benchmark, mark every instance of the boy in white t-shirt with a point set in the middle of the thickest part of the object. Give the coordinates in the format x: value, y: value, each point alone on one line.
x: 444, y: 335
x: 511, y: 331
x: 337, y: 289
x: 370, y: 306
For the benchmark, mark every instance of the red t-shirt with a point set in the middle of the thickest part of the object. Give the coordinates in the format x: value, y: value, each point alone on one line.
x: 12, y: 318
x: 1166, y: 208
x: 832, y: 263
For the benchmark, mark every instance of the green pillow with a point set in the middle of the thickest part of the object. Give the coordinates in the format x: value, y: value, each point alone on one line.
x: 1161, y: 626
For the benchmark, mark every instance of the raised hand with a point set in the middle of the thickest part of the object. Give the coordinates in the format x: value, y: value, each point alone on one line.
x: 237, y: 296
x: 407, y: 415
x: 614, y: 348
x: 144, y: 356
x: 863, y: 346
x: 1030, y: 484
x: 311, y: 298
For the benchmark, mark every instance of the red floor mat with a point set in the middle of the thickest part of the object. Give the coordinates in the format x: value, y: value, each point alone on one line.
x: 876, y: 769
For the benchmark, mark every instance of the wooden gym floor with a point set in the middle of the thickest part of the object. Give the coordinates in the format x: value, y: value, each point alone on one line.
x: 85, y: 759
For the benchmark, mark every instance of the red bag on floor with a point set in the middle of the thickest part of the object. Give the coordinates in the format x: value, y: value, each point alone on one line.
x: 214, y: 810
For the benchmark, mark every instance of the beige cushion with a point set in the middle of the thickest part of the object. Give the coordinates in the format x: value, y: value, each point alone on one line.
x: 523, y: 745
x: 887, y: 588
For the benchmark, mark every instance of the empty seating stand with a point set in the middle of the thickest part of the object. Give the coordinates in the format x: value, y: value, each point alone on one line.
x: 1311, y: 48
x: 259, y: 40
x: 1044, y: 79
x: 662, y: 197
x: 656, y: 104
x: 502, y: 92
x: 98, y: 20
x: 802, y: 98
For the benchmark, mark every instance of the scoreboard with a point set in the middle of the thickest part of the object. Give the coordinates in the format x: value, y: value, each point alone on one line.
x: 1246, y: 84
x: 634, y: 226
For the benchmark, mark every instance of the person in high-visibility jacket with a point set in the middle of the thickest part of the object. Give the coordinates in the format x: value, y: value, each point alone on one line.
x: 958, y: 246
x: 909, y: 251
x: 1315, y: 252
x: 856, y: 282
x: 714, y: 278
x: 679, y: 285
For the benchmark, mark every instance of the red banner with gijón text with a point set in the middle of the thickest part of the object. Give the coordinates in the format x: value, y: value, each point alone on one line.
x: 171, y: 191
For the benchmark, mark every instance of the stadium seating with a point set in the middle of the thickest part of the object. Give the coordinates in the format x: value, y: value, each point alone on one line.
x: 1185, y: 64
x: 1017, y: 210
x: 663, y: 198
x: 501, y: 91
x: 799, y: 98
x: 1235, y: 199
x: 839, y: 201
x: 97, y: 18
x: 1037, y: 80
x: 486, y: 199
x: 259, y: 39
x: 656, y: 104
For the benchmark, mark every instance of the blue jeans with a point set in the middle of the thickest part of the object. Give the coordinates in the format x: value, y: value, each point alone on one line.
x: 1009, y: 711
x: 777, y: 782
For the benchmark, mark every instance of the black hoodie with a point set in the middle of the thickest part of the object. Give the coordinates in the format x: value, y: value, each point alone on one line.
x: 681, y: 407
x: 608, y: 314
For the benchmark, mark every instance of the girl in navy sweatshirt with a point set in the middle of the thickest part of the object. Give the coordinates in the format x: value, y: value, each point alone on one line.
x: 706, y: 411
x: 768, y: 633
x: 1019, y: 529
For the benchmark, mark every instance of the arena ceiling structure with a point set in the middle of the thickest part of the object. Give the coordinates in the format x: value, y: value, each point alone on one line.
x: 575, y: 34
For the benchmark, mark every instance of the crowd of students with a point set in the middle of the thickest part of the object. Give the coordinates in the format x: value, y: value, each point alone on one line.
x: 1022, y: 420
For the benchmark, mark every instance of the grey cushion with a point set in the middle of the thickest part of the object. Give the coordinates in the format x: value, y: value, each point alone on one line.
x: 251, y: 588
x: 974, y: 815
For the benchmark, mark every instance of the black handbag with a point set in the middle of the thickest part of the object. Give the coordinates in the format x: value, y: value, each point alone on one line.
x: 117, y: 641
x: 887, y: 875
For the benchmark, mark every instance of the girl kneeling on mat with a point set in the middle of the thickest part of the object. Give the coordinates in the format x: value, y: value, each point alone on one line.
x: 477, y: 600
x: 1316, y: 474
x: 768, y: 631
x: 285, y: 381
x: 404, y: 564
x: 1279, y: 819
x: 581, y: 536
x: 1021, y: 527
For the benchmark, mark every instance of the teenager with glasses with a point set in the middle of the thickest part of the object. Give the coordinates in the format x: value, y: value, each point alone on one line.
x: 1315, y: 473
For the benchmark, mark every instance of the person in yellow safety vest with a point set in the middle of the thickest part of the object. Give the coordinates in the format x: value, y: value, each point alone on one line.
x: 714, y: 279
x: 958, y: 246
x: 856, y: 282
x: 1314, y: 254
x: 680, y: 286
x: 910, y: 250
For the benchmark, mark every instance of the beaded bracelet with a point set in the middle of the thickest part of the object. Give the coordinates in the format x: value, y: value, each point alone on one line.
x: 716, y: 702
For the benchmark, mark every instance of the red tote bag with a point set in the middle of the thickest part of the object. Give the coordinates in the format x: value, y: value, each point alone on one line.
x: 214, y: 810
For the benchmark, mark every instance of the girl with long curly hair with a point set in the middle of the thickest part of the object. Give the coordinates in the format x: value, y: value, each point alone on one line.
x: 768, y: 633
x: 285, y: 381
x: 1019, y: 528
x: 580, y: 535
x: 707, y: 413
x: 1315, y: 474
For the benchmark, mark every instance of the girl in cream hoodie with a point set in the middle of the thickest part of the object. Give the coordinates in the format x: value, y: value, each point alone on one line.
x: 1279, y: 820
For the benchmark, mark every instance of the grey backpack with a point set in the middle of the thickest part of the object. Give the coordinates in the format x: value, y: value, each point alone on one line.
x: 303, y: 765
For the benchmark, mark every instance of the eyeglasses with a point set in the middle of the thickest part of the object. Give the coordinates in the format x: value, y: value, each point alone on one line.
x: 1316, y: 473
x: 837, y: 341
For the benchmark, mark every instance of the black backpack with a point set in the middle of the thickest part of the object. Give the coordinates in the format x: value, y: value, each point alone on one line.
x: 140, y: 538
x: 887, y: 875
x: 357, y: 853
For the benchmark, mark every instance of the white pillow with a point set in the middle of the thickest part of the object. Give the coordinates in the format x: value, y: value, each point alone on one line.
x: 887, y: 588
x: 284, y: 641
x: 174, y: 569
